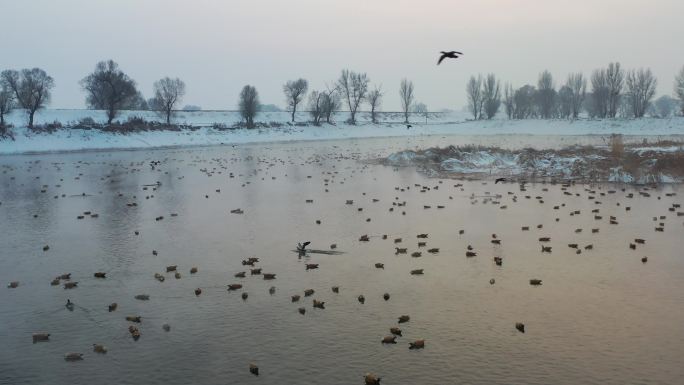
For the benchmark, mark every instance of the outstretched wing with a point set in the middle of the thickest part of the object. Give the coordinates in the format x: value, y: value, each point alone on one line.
x: 441, y: 58
x: 306, y: 244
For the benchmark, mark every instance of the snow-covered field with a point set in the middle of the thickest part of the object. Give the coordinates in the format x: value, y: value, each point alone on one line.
x: 452, y: 123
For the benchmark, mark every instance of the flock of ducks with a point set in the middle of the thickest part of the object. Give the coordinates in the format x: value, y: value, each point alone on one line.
x: 249, y: 267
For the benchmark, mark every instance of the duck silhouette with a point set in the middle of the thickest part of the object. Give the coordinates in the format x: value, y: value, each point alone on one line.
x: 448, y: 54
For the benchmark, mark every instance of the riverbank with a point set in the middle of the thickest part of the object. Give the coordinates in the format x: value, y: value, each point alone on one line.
x: 216, y: 127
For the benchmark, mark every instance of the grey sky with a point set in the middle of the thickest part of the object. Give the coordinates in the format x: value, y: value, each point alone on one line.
x: 219, y: 46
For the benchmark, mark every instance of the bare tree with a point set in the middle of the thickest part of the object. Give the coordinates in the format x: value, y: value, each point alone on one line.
x: 167, y: 94
x: 615, y: 77
x: 600, y: 93
x: 353, y: 87
x: 316, y: 106
x: 641, y: 87
x: 509, y: 103
x: 664, y: 106
x: 110, y: 89
x: 375, y: 100
x: 577, y: 85
x: 6, y: 104
x: 421, y: 109
x: 491, y: 96
x: 565, y: 102
x: 330, y: 102
x: 249, y: 104
x: 406, y: 96
x: 523, y: 100
x: 31, y: 88
x: 679, y: 88
x: 139, y: 103
x: 295, y: 90
x: 546, y: 95
x: 474, y: 94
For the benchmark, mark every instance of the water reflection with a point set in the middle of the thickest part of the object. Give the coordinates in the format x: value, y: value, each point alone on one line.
x: 601, y: 316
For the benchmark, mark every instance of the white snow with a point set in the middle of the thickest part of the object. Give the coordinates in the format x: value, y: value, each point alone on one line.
x: 617, y: 174
x: 452, y: 123
x: 481, y: 161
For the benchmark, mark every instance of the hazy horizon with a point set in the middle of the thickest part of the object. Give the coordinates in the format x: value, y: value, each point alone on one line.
x: 217, y: 47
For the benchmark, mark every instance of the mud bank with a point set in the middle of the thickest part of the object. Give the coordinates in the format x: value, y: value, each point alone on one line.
x: 662, y: 162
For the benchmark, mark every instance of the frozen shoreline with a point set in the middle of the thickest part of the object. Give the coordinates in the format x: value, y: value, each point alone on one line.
x: 637, y: 164
x: 453, y: 123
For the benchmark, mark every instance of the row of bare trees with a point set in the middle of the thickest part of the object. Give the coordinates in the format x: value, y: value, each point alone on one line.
x: 108, y: 88
x: 29, y: 89
x: 350, y: 90
x: 614, y: 92
x: 484, y: 96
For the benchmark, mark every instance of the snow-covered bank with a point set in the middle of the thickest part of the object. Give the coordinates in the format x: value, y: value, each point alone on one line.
x: 204, y: 133
x: 637, y: 164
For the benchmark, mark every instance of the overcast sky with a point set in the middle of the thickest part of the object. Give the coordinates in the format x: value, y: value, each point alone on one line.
x: 217, y: 46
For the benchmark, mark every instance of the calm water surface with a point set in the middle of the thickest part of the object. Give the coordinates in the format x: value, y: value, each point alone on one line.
x: 600, y: 317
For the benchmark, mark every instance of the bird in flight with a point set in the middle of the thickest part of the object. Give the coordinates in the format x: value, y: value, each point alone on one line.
x: 301, y: 247
x: 499, y: 180
x: 450, y: 54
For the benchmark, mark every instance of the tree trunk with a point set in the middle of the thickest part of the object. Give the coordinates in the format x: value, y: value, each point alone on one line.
x: 110, y: 116
x: 168, y: 117
x: 30, y: 125
x: 294, y: 108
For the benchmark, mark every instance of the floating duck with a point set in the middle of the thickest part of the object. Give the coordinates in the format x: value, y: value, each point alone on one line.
x: 254, y: 369
x: 371, y: 379
x: 389, y: 340
x: 520, y: 326
x: 73, y: 357
x: 41, y: 337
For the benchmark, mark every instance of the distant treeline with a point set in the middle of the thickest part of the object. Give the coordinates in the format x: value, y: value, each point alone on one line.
x: 613, y: 92
x: 610, y: 92
x: 110, y: 89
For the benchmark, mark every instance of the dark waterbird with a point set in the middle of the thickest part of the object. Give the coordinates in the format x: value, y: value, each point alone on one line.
x: 448, y: 54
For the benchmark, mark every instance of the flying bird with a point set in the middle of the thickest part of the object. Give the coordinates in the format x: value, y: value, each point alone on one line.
x: 301, y: 247
x: 450, y: 54
x: 499, y: 180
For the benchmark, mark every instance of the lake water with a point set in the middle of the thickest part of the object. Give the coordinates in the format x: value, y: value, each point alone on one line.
x: 599, y: 317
